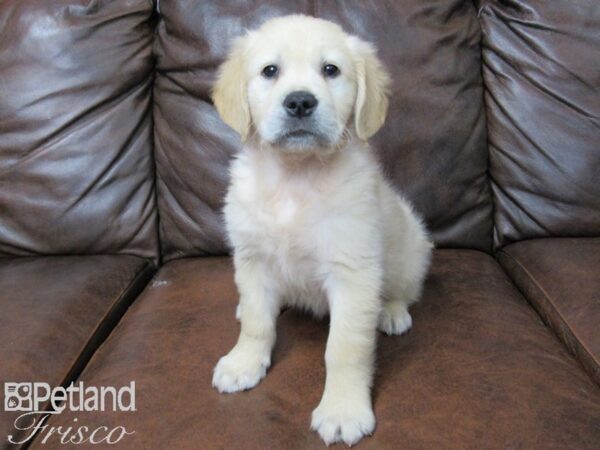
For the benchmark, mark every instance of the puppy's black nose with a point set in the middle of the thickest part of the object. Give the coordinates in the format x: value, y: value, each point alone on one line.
x: 300, y: 104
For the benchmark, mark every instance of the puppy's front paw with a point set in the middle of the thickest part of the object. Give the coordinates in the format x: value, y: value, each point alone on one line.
x: 343, y: 421
x: 239, y: 371
x: 394, y: 318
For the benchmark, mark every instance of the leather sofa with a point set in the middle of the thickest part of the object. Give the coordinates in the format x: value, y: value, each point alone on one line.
x: 113, y: 260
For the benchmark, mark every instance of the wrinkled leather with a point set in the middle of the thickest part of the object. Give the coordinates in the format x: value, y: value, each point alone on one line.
x: 433, y: 147
x: 561, y: 279
x: 55, y: 312
x: 478, y: 368
x: 542, y: 75
x: 76, y: 171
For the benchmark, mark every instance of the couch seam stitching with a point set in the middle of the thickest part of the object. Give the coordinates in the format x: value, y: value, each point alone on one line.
x: 124, y: 292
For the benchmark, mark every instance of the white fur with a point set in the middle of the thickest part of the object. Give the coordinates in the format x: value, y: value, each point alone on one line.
x: 316, y: 227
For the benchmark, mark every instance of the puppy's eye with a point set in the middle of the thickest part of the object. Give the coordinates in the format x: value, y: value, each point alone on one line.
x: 329, y: 70
x: 270, y: 71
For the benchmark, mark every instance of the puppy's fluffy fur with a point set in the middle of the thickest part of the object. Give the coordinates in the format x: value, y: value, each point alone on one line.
x: 311, y: 219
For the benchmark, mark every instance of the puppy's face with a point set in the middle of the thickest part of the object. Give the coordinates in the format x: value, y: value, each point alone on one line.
x: 298, y: 82
x: 301, y: 84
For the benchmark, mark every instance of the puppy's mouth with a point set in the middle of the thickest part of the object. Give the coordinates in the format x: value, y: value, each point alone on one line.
x: 301, y: 139
x: 298, y: 134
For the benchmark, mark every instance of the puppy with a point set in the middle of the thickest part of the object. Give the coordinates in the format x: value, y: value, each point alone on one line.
x: 312, y: 221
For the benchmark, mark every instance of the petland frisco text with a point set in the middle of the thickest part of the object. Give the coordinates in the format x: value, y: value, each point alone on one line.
x: 39, y: 401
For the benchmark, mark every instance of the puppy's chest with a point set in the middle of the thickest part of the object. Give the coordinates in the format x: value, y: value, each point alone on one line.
x: 287, y: 218
x: 280, y: 217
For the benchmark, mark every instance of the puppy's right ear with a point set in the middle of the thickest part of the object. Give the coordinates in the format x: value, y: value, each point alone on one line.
x: 230, y: 94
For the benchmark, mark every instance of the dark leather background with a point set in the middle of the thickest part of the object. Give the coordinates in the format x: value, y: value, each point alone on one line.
x: 433, y: 146
x: 76, y: 170
x: 542, y: 74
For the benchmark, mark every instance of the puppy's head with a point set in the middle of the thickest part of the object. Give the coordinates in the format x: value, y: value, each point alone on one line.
x: 299, y: 82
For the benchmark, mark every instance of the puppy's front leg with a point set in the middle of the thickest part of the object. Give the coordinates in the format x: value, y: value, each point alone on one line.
x: 345, y: 412
x: 247, y: 363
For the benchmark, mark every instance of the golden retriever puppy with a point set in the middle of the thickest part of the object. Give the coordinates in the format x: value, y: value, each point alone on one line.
x: 311, y: 219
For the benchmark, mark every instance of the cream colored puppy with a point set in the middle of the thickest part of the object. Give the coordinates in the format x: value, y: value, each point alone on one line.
x: 312, y: 221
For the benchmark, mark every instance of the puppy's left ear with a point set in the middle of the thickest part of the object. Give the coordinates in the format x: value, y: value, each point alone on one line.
x: 230, y: 91
x: 373, y: 83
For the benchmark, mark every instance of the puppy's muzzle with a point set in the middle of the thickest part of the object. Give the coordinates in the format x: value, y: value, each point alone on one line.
x: 300, y: 104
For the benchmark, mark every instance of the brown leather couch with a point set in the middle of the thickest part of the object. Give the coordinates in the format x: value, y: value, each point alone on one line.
x: 113, y: 262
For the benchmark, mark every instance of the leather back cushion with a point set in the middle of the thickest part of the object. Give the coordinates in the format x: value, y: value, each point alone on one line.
x: 433, y: 147
x: 76, y: 171
x: 542, y: 75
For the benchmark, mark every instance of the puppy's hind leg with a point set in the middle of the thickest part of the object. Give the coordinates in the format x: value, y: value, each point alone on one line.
x: 394, y: 317
x: 405, y: 270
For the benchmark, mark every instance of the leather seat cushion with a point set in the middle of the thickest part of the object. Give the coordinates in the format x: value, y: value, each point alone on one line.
x: 55, y: 311
x: 561, y: 279
x: 479, y: 366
